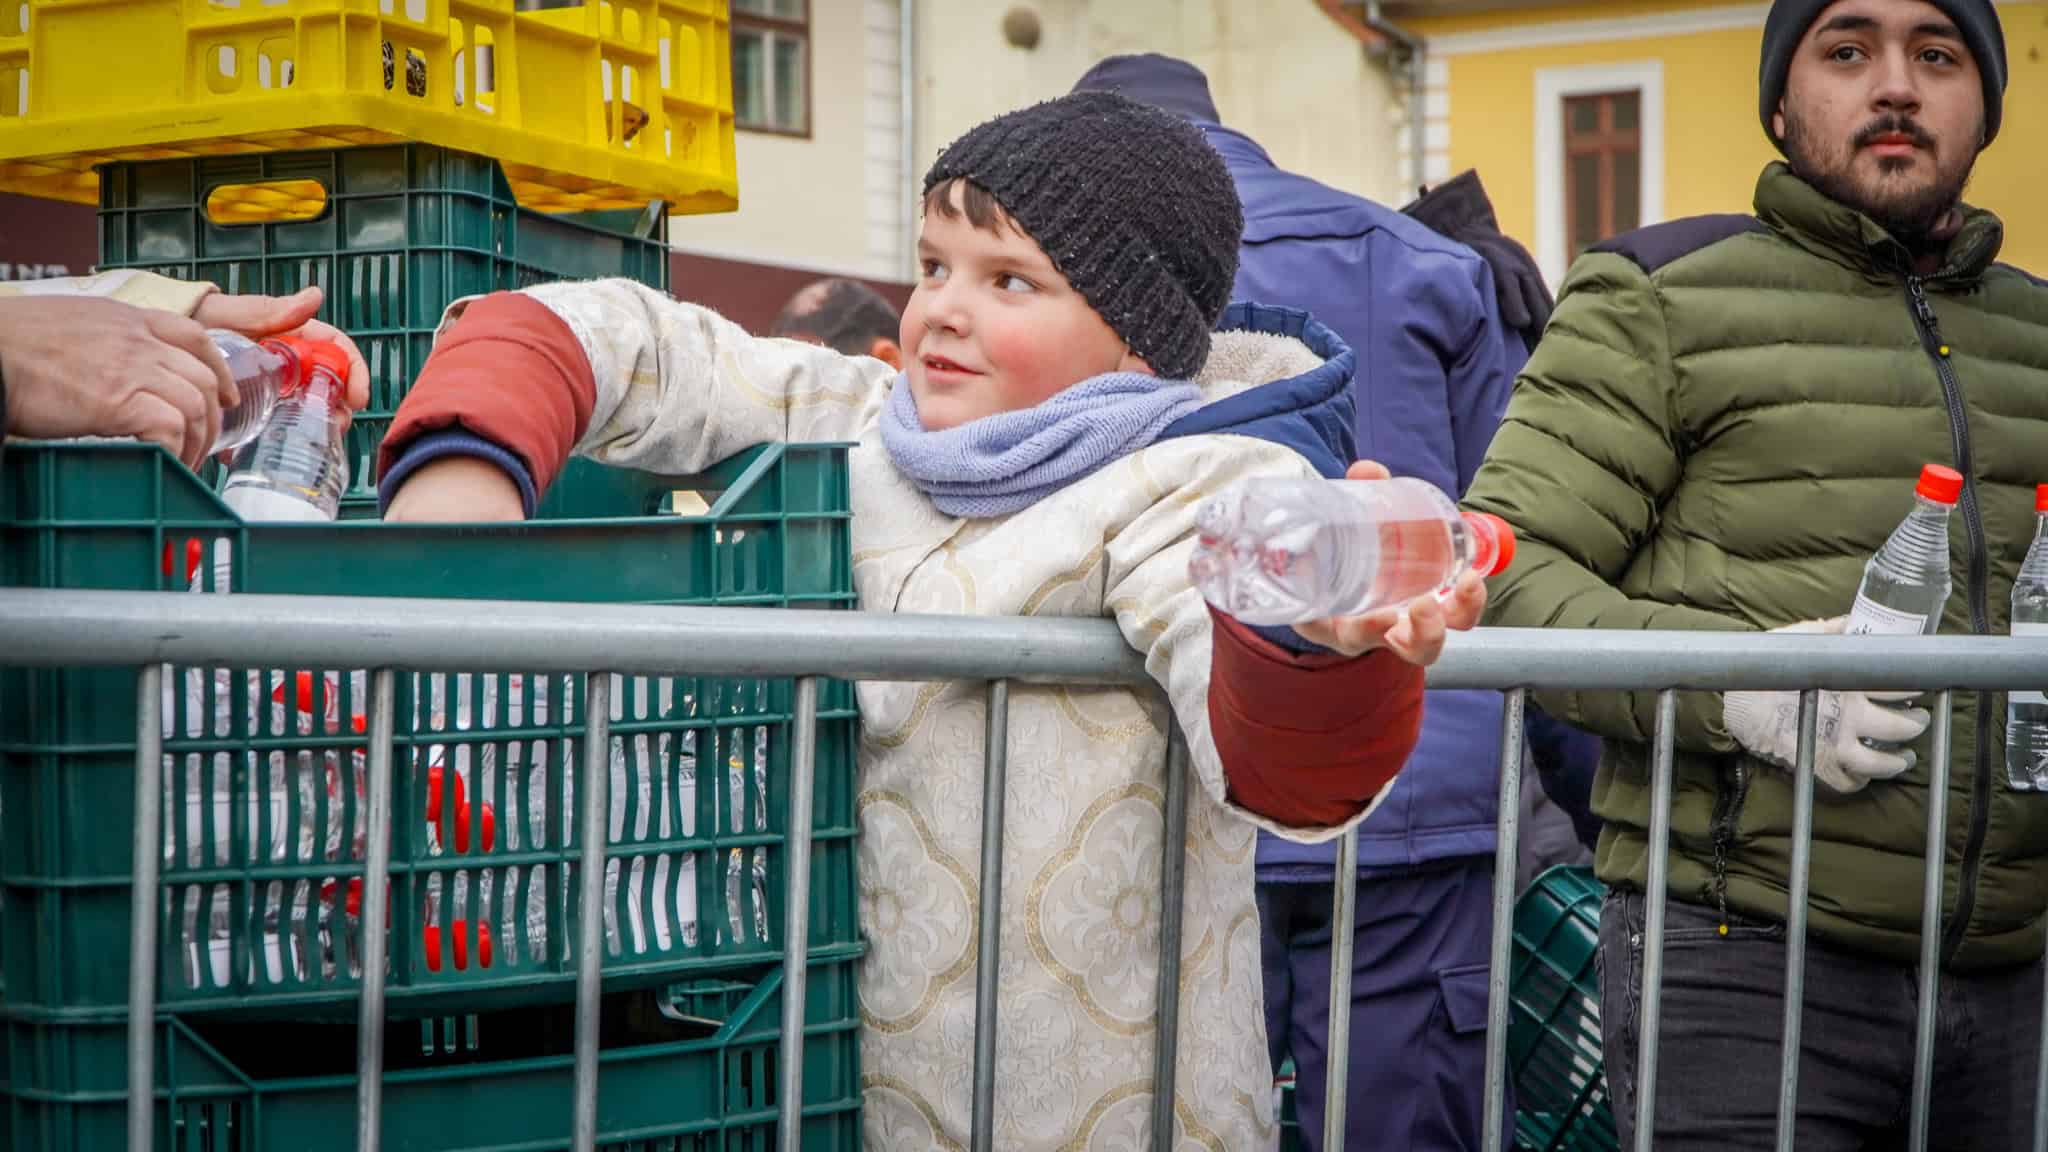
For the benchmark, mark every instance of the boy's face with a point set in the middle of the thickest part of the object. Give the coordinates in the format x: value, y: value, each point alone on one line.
x: 993, y: 327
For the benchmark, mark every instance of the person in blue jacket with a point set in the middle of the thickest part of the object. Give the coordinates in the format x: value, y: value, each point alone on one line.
x: 1459, y: 209
x: 1435, y: 366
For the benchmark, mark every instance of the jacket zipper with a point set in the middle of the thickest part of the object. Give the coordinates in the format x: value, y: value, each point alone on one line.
x: 1979, y: 595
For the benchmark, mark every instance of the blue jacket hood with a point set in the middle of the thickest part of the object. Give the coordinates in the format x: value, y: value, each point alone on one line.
x: 1311, y: 413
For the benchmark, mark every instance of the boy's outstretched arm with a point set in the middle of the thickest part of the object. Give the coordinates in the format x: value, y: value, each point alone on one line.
x: 1300, y: 743
x: 1310, y: 740
x: 608, y: 369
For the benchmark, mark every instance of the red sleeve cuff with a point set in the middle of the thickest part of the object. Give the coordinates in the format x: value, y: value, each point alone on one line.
x: 1307, y: 741
x: 510, y: 371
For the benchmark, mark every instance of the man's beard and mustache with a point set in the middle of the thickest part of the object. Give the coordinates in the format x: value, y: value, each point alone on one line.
x: 1912, y: 215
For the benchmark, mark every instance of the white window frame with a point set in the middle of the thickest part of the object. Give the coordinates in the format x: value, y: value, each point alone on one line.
x: 1553, y: 85
x: 772, y: 29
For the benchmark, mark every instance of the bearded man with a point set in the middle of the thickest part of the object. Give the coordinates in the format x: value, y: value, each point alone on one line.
x: 1722, y: 423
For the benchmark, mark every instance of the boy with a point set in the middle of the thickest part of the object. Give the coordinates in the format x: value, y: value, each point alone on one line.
x: 1065, y: 414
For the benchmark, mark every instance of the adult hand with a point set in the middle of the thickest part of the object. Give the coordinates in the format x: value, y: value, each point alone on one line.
x: 1415, y: 631
x: 90, y: 366
x: 1849, y: 723
x: 259, y: 316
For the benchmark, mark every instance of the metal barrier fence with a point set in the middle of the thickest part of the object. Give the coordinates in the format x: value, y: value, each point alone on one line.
x: 148, y: 630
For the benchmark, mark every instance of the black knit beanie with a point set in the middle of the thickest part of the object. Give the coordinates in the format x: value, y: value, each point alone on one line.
x: 1132, y: 205
x: 1788, y: 21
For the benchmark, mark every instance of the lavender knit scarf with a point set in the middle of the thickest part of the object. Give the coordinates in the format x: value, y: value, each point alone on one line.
x: 1009, y: 461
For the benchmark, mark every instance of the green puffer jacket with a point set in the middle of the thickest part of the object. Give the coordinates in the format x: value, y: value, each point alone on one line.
x: 1723, y: 422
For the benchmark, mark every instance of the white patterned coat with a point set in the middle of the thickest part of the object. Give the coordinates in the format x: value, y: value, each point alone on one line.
x: 678, y: 388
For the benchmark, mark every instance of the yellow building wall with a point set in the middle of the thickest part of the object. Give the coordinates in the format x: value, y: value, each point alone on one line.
x: 1713, y: 145
x: 2012, y: 176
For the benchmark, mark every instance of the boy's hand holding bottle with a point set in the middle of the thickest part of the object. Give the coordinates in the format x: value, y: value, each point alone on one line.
x: 1313, y: 554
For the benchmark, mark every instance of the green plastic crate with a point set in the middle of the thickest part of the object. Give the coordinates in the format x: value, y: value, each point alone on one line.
x: 700, y: 867
x: 689, y: 1068
x: 405, y: 230
x: 1554, y: 1046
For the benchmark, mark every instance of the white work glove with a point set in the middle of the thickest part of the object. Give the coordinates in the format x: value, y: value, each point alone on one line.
x: 1767, y: 724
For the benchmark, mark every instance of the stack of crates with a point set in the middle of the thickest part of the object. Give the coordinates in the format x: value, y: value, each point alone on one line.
x: 399, y: 154
x: 402, y: 154
x: 404, y: 231
x: 260, y: 951
x: 600, y: 105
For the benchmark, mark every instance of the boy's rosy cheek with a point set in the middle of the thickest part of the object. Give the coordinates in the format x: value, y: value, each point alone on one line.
x: 910, y: 330
x: 1028, y: 363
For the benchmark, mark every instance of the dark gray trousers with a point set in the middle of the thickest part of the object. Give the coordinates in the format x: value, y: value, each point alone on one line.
x: 1718, y: 1052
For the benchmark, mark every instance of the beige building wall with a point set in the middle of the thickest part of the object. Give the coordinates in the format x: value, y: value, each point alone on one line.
x: 1282, y: 72
x: 813, y: 202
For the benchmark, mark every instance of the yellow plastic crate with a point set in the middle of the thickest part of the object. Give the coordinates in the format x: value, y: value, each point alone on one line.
x: 606, y: 105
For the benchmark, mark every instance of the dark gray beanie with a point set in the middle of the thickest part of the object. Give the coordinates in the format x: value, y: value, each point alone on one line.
x: 1132, y: 205
x: 1788, y: 21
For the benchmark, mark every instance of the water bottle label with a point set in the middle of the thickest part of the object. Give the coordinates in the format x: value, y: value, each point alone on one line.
x: 2040, y: 632
x: 255, y: 504
x: 1869, y: 618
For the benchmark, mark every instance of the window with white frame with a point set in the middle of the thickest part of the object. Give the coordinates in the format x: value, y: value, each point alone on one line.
x: 771, y: 66
x: 1599, y: 158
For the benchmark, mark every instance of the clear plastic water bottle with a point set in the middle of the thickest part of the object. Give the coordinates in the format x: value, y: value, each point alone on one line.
x: 1289, y: 551
x: 2026, y: 713
x: 1906, y: 585
x: 263, y: 372
x: 297, y: 468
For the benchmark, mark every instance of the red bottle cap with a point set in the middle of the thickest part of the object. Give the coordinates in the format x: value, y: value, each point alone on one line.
x: 317, y: 356
x: 437, y: 814
x: 1939, y: 484
x: 353, y: 905
x: 435, y: 781
x: 430, y: 941
x: 195, y: 554
x: 304, y: 684
x: 2041, y: 498
x: 1495, y: 529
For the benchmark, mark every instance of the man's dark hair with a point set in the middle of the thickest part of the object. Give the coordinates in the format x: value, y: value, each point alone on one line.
x: 844, y: 315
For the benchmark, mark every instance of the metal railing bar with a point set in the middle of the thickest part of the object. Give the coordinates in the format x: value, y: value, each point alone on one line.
x: 376, y: 905
x: 52, y: 628
x: 1930, y: 919
x: 142, y: 901
x: 1343, y: 938
x: 1506, y: 852
x: 591, y: 793
x: 988, y: 951
x: 1795, y: 920
x: 83, y: 628
x: 796, y: 919
x: 1664, y: 749
x: 1172, y: 888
